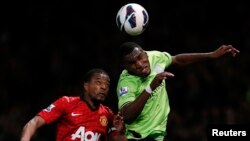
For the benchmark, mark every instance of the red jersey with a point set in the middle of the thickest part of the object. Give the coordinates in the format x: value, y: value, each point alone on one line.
x: 76, y: 121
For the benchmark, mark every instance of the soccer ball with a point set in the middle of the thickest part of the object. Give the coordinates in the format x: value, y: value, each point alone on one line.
x: 132, y: 19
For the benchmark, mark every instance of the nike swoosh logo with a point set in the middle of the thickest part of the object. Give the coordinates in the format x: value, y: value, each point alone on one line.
x: 73, y: 114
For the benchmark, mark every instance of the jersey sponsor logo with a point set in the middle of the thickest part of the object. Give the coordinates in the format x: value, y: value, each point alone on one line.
x: 103, y: 120
x: 75, y: 114
x: 49, y: 108
x: 158, y: 69
x: 123, y: 91
x: 85, y: 135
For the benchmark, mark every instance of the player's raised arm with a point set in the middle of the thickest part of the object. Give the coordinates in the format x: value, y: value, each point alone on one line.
x: 30, y: 128
x: 188, y: 58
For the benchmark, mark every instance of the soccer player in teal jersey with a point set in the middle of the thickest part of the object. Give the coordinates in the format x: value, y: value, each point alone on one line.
x: 142, y: 95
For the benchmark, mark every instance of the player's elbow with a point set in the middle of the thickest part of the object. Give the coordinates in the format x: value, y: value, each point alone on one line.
x: 129, y: 114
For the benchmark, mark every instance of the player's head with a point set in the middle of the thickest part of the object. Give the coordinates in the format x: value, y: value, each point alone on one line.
x: 134, y: 59
x: 96, y: 85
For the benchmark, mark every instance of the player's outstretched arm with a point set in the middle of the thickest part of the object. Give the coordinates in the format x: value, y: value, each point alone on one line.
x: 188, y: 58
x: 30, y: 128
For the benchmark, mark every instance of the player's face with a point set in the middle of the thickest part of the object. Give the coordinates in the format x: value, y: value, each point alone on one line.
x: 98, y: 87
x: 137, y: 63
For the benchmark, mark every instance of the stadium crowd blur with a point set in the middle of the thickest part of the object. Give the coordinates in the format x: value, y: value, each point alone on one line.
x: 46, y: 47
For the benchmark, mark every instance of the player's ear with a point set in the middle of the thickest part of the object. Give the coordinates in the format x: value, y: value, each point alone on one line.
x: 85, y: 86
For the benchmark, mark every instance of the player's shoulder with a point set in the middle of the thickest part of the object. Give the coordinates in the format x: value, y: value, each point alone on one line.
x: 156, y: 53
x: 70, y: 99
x: 126, y: 81
x: 125, y: 75
x: 106, y: 108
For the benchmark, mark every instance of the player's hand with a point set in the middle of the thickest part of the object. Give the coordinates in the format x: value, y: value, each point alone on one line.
x: 225, y: 49
x: 158, y: 79
x: 118, y: 123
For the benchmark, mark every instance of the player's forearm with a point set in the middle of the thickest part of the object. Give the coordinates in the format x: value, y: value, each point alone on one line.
x: 132, y: 110
x: 189, y: 58
x: 28, y: 131
x: 31, y: 127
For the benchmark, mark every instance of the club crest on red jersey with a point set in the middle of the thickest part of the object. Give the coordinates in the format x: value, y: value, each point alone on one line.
x: 103, y: 120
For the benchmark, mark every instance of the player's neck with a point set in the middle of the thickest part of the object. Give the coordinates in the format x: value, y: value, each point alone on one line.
x: 93, y: 105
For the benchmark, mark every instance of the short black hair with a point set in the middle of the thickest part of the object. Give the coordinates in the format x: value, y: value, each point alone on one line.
x: 126, y: 48
x: 87, y: 77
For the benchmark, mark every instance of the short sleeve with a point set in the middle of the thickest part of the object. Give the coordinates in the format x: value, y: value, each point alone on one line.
x: 168, y: 59
x: 54, y: 110
x: 126, y: 91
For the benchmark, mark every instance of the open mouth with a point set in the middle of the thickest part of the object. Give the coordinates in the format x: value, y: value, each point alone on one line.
x: 103, y: 95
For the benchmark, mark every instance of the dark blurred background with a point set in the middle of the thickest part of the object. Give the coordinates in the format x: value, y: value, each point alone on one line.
x: 47, y: 46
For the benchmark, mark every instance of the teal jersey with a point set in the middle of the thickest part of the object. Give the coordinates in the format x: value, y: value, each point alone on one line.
x: 153, y: 118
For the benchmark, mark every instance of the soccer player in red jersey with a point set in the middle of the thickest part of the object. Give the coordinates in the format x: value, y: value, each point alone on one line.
x: 81, y: 118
